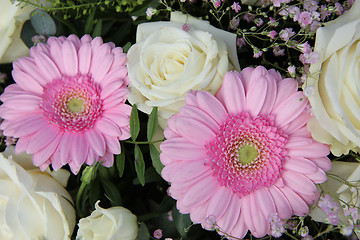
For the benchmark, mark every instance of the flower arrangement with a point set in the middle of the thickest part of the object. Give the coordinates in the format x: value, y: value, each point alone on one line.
x: 179, y: 119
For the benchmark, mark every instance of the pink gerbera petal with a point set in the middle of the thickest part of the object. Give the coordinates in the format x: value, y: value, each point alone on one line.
x: 59, y: 108
x: 243, y: 155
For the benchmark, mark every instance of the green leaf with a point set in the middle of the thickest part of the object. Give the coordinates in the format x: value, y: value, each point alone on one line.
x: 139, y: 165
x: 152, y: 123
x: 95, y: 192
x: 120, y: 161
x: 97, y: 29
x: 150, y: 176
x: 90, y: 21
x: 27, y: 33
x: 182, y: 221
x: 111, y: 192
x: 155, y: 157
x: 42, y: 22
x: 126, y: 47
x: 134, y: 123
x: 143, y: 233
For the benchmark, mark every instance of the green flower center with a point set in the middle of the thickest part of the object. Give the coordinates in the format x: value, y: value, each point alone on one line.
x: 75, y: 105
x: 247, y: 154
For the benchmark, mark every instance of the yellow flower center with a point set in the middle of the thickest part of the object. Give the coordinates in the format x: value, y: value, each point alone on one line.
x: 75, y: 105
x: 247, y: 154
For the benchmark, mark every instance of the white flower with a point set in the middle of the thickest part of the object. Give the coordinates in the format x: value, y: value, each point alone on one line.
x: 33, y: 205
x: 167, y: 61
x: 336, y: 81
x: 12, y: 18
x: 115, y: 223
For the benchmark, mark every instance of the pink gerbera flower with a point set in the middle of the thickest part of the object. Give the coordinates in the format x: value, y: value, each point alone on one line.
x: 243, y: 155
x: 68, y: 102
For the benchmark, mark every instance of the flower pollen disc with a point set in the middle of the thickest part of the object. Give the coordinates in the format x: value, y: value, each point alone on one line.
x: 247, y: 153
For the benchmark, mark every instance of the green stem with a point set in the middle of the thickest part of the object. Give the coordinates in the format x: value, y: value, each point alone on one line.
x: 291, y: 236
x: 78, y: 195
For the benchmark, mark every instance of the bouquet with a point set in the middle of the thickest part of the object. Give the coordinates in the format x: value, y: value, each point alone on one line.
x: 179, y: 119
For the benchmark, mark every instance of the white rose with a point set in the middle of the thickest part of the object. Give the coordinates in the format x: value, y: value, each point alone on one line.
x: 167, y: 61
x: 336, y: 81
x: 12, y: 18
x: 33, y: 205
x: 115, y: 223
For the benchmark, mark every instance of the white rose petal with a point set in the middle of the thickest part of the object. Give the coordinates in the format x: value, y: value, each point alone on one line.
x: 33, y: 205
x: 115, y: 223
x: 12, y: 18
x: 336, y: 81
x: 167, y: 61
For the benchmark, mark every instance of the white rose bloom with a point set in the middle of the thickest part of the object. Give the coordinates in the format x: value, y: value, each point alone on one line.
x: 115, y: 223
x: 336, y: 82
x: 33, y: 205
x: 167, y: 61
x: 12, y: 18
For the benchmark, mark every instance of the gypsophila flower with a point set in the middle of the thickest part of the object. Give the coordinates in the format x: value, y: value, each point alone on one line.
x: 272, y: 34
x: 292, y: 224
x: 309, y: 57
x: 235, y: 23
x: 10, y: 141
x: 236, y: 7
x: 309, y: 91
x: 305, y: 19
x: 339, y: 8
x: 347, y: 230
x: 240, y: 42
x: 314, y: 25
x: 324, y: 12
x: 217, y: 3
x: 292, y: 70
x: 258, y: 22
x: 311, y: 5
x: 303, y: 231
x: 277, y: 3
x: 305, y: 47
x: 248, y: 17
x: 38, y: 38
x: 286, y: 34
x: 278, y: 51
x: 331, y: 208
x: 277, y: 225
x: 158, y: 234
x: 186, y: 27
x: 150, y: 12
x: 257, y: 53
x: 211, y: 220
x: 291, y: 11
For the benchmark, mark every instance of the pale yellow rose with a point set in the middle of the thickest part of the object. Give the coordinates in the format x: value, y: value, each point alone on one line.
x: 335, y: 81
x: 167, y: 61
x: 33, y: 204
x: 115, y: 223
x: 12, y: 18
